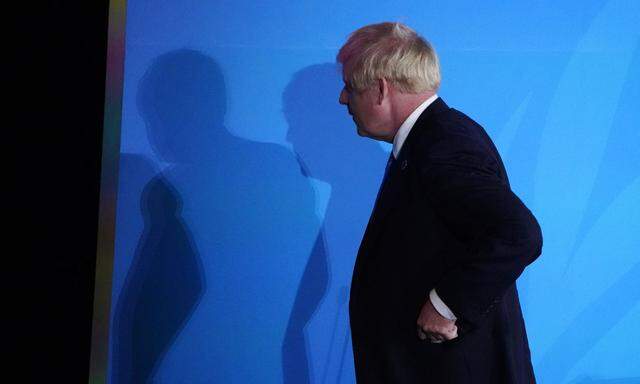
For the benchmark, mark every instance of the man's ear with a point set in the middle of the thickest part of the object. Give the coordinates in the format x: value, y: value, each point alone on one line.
x: 383, y: 90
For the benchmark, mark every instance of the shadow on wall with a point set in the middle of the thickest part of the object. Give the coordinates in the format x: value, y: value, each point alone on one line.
x: 329, y: 149
x: 165, y: 280
x: 162, y: 288
x: 237, y: 214
x: 295, y: 347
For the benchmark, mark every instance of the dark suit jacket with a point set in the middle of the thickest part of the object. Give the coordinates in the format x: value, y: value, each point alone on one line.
x: 445, y: 218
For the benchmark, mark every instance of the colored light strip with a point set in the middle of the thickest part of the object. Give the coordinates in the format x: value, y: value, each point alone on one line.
x: 108, y: 192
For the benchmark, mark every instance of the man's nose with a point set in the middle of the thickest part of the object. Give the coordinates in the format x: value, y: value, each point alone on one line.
x: 344, y: 99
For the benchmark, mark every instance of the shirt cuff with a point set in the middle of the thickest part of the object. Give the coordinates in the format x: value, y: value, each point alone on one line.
x: 440, y: 306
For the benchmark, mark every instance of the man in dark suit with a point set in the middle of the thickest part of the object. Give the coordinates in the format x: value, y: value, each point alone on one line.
x: 433, y: 295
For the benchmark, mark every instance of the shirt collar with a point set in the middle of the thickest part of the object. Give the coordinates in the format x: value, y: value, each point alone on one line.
x: 405, y: 128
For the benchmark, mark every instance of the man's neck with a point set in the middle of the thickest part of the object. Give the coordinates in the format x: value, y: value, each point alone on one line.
x: 406, y: 103
x: 407, y: 125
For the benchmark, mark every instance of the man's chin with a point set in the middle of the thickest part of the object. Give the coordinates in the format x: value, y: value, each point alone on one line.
x: 361, y: 133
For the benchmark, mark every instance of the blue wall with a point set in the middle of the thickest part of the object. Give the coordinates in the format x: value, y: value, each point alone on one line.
x: 244, y: 190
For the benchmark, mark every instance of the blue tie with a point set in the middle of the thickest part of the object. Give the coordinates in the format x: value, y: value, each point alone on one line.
x: 387, y: 171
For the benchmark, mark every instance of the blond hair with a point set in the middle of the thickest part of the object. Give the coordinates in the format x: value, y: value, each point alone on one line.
x: 391, y: 51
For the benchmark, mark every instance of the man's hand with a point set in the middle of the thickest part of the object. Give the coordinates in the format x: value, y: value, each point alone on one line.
x: 434, y: 326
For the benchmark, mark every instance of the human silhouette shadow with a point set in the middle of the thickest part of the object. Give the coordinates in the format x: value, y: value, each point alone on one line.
x: 326, y: 142
x: 163, y: 286
x: 165, y: 280
x: 250, y: 211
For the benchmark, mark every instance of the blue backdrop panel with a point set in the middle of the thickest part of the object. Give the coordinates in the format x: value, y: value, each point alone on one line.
x: 244, y: 190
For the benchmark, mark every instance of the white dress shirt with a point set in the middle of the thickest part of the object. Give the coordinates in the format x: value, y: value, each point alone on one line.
x: 398, y: 141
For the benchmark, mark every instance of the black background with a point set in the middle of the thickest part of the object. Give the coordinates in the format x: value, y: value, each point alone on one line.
x: 55, y: 83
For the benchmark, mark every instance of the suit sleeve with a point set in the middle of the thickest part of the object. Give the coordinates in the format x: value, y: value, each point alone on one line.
x: 501, y: 236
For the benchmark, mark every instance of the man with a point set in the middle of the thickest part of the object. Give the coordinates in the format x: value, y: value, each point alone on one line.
x: 433, y: 295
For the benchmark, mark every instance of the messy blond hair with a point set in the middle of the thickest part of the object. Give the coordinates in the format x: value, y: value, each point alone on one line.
x: 391, y: 51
